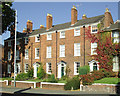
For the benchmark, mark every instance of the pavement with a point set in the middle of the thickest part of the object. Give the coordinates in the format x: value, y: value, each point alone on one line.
x: 10, y: 91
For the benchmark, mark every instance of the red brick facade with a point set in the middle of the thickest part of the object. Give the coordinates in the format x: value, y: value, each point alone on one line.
x: 55, y: 43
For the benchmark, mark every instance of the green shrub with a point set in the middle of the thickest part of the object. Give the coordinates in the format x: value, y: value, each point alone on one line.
x: 64, y: 77
x: 73, y: 83
x: 52, y: 79
x: 30, y: 73
x: 41, y: 73
x: 84, y: 70
x: 22, y: 76
x: 119, y: 74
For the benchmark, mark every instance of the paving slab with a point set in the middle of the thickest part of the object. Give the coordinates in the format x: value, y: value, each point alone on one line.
x: 14, y: 90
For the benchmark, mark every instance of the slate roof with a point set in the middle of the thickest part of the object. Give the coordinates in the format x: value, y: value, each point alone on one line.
x: 68, y: 25
x: 61, y: 26
x: 115, y: 26
x: 19, y: 35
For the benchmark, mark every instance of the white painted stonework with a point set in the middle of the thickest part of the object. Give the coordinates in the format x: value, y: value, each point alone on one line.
x: 91, y: 65
x: 35, y: 66
x: 60, y: 67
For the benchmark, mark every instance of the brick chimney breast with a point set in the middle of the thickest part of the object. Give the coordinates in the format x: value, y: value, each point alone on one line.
x: 108, y: 20
x: 84, y: 16
x: 49, y: 21
x: 73, y: 15
x: 29, y: 26
x: 41, y: 26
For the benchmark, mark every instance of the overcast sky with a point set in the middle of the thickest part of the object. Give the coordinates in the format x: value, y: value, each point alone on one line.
x: 61, y: 12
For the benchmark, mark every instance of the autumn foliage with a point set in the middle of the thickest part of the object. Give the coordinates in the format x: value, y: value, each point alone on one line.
x: 105, y: 50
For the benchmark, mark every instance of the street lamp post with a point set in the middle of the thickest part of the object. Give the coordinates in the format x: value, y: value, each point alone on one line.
x: 15, y: 47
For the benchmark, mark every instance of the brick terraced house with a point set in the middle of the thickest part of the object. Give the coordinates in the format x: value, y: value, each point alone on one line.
x: 56, y: 46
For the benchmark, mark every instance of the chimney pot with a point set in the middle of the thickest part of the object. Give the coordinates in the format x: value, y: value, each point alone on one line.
x: 84, y: 16
x: 41, y: 26
x: 24, y: 30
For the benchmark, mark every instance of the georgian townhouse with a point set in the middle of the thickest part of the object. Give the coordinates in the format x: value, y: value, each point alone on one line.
x: 56, y: 46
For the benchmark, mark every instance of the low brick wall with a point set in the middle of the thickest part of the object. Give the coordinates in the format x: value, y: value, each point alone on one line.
x: 4, y: 83
x: 110, y: 88
x: 26, y: 84
x: 56, y: 86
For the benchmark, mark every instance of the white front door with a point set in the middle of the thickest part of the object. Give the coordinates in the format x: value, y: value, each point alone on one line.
x: 35, y: 65
x: 61, y: 69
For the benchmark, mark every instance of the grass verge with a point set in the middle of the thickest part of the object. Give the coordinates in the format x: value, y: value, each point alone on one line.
x: 108, y: 81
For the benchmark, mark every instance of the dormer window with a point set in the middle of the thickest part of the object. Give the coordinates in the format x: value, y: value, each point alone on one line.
x: 94, y: 29
x: 37, y: 38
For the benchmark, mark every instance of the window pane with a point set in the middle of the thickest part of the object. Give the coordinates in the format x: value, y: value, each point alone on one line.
x: 62, y: 50
x: 94, y: 28
x: 77, y: 32
x: 76, y: 49
x: 49, y: 52
x: 93, y: 48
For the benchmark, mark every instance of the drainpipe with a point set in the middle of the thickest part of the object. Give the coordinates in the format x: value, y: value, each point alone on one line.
x: 31, y: 53
x: 40, y: 48
x: 56, y: 53
x: 84, y: 44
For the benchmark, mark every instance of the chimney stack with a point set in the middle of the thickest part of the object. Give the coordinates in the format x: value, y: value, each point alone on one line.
x: 49, y: 21
x: 84, y: 16
x: 41, y: 26
x: 108, y: 18
x: 29, y: 26
x: 73, y: 15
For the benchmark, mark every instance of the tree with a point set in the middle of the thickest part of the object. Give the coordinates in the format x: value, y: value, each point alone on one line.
x: 8, y: 16
x: 105, y: 49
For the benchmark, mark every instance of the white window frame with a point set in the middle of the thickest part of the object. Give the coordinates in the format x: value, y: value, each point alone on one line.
x: 115, y: 63
x: 93, y: 48
x: 62, y: 32
x: 62, y: 50
x: 77, y: 49
x: 77, y: 33
x: 26, y: 67
x: 17, y: 42
x: 48, y: 71
x: 36, y: 38
x: 17, y: 55
x: 9, y: 43
x: 36, y: 49
x: 26, y: 40
x: 92, y: 27
x: 75, y: 68
x: 9, y: 55
x: 115, y: 37
x: 49, y: 36
x: 26, y: 55
x: 49, y: 52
